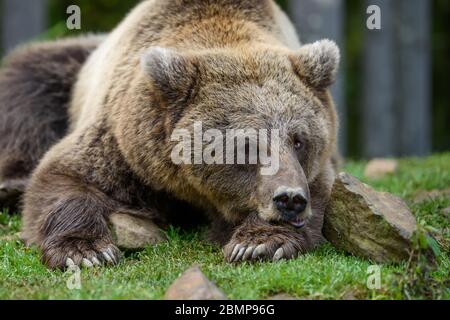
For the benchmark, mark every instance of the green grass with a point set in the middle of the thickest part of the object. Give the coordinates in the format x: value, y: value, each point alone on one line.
x: 323, y: 274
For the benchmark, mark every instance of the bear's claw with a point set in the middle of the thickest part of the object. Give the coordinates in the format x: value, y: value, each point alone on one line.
x: 94, y: 259
x: 82, y: 253
x: 265, y: 251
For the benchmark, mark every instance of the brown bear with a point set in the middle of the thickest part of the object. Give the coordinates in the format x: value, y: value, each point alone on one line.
x: 227, y: 64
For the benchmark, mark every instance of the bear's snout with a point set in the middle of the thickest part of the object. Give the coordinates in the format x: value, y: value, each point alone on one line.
x: 285, y: 196
x: 292, y: 204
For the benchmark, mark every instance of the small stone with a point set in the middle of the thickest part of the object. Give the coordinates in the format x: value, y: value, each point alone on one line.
x: 425, y: 195
x: 349, y: 295
x: 378, y: 168
x: 352, y: 294
x: 366, y: 223
x: 194, y: 285
x: 446, y: 211
x: 134, y: 233
x: 282, y: 296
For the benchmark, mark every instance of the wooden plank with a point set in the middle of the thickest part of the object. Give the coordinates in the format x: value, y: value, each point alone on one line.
x: 414, y: 77
x: 378, y: 103
x: 22, y: 21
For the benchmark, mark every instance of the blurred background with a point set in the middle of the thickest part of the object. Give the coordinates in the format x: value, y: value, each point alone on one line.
x: 393, y: 89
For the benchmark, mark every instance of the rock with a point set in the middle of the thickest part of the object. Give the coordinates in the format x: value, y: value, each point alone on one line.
x: 366, y: 223
x: 349, y: 295
x: 193, y: 285
x: 133, y: 233
x: 446, y: 211
x: 352, y: 294
x: 378, y: 168
x: 424, y: 195
x: 282, y: 296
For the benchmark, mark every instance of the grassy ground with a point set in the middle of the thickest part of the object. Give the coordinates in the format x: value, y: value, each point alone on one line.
x: 323, y: 274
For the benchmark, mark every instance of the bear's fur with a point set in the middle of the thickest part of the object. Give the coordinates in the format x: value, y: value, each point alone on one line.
x: 170, y: 63
x: 36, y: 82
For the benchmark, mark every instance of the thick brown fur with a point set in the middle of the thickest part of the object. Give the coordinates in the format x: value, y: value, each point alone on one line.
x: 36, y: 83
x: 226, y: 63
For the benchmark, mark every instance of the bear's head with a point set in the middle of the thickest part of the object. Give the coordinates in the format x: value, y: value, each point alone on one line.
x: 247, y: 129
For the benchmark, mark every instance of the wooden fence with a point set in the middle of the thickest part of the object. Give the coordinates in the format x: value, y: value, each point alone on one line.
x: 396, y: 73
x: 396, y: 69
x: 22, y: 20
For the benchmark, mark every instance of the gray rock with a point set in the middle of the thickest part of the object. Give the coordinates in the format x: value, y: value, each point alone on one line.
x: 131, y: 232
x: 194, y: 285
x: 282, y: 296
x: 430, y: 195
x: 366, y: 223
x: 352, y: 294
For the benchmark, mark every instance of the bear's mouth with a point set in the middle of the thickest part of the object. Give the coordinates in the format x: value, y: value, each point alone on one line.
x: 297, y: 222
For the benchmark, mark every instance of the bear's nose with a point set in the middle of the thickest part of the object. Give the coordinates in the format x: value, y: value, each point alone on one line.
x: 290, y: 203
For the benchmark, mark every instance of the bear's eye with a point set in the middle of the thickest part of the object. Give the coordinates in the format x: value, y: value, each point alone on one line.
x: 299, y: 144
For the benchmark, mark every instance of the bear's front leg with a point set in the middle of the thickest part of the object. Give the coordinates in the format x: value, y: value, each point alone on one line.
x: 67, y: 219
x: 256, y: 239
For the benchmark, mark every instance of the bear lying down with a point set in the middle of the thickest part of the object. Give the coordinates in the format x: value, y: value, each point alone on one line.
x: 101, y: 114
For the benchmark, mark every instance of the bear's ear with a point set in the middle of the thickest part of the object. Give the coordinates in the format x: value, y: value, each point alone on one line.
x: 171, y: 72
x: 317, y: 63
